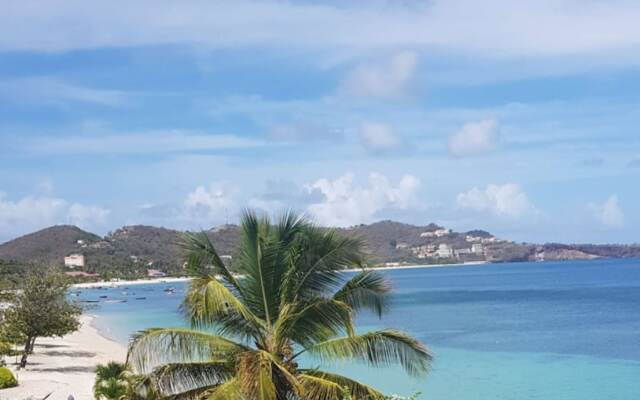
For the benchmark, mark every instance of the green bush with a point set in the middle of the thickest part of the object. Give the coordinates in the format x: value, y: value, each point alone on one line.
x: 7, y: 379
x: 5, y: 349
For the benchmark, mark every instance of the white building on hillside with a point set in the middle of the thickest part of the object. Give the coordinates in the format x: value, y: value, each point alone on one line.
x: 477, y: 248
x: 444, y: 251
x: 437, y: 233
x: 74, y: 260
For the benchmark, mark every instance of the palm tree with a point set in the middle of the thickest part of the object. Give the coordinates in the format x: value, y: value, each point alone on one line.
x: 109, y: 384
x: 289, y: 298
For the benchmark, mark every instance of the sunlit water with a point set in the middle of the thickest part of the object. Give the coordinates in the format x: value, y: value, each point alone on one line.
x: 522, y: 331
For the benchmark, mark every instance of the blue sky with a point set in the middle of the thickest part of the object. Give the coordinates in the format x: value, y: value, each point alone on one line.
x: 517, y: 118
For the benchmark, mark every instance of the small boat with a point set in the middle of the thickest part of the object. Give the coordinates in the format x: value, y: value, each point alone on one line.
x: 141, y: 298
x: 90, y: 301
x: 170, y: 290
x: 103, y: 297
x: 115, y: 301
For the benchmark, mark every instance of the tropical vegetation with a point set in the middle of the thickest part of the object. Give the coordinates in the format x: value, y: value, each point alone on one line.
x: 39, y: 308
x: 251, y: 333
x: 7, y: 379
x: 110, y: 383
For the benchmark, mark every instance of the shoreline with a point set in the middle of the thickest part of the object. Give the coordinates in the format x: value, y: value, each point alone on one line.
x: 93, y: 285
x: 65, y: 366
x: 118, y: 283
x: 418, y: 266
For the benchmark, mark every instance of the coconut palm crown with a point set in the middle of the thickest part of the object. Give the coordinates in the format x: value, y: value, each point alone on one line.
x: 286, y: 298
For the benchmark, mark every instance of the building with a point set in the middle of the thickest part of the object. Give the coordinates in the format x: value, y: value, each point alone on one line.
x: 477, y: 248
x: 442, y: 232
x: 437, y: 233
x: 74, y: 260
x: 462, y: 252
x: 444, y: 251
x: 155, y: 273
x: 392, y: 264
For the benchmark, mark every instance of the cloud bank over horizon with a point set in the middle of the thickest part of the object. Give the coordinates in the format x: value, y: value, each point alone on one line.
x: 181, y: 114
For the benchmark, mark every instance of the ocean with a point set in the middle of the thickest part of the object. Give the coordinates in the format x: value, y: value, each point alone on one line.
x: 526, y: 331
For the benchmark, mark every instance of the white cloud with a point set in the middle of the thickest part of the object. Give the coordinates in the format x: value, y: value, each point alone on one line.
x: 210, y: 206
x: 377, y: 137
x: 384, y: 80
x: 344, y: 203
x: 474, y: 138
x: 608, y: 213
x: 45, y: 90
x: 498, y: 28
x: 135, y: 143
x: 30, y: 213
x: 506, y: 200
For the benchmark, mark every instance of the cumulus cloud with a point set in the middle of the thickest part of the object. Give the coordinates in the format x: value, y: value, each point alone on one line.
x: 30, y: 213
x: 506, y: 200
x: 279, y: 195
x: 205, y: 206
x: 474, y: 138
x: 377, y: 137
x: 344, y: 203
x: 608, y: 213
x: 382, y: 80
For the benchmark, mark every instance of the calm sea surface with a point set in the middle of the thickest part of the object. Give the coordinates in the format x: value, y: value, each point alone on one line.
x: 557, y: 331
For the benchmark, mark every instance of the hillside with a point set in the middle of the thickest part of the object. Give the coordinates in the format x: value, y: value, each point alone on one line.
x: 47, y: 245
x: 131, y: 250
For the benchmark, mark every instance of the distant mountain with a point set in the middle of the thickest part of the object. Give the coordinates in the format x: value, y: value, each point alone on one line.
x: 131, y: 250
x: 47, y: 245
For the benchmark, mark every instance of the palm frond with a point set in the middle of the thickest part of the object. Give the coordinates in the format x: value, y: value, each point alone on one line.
x: 154, y: 347
x: 318, y: 388
x: 209, y: 302
x: 378, y: 348
x: 367, y: 289
x: 258, y: 260
x: 324, y: 254
x: 176, y: 379
x: 321, y: 385
x: 109, y: 389
x: 317, y: 321
x: 203, y: 259
x: 255, y: 376
x: 111, y: 369
x: 230, y: 390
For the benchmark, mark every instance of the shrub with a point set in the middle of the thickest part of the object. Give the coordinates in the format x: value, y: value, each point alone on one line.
x: 6, y: 349
x: 7, y: 379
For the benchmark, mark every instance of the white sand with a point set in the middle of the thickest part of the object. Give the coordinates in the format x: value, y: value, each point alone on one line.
x: 129, y: 283
x: 64, y: 366
x: 466, y: 264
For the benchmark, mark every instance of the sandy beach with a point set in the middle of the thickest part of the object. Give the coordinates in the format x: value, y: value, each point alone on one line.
x: 130, y: 282
x: 64, y: 366
x: 466, y: 264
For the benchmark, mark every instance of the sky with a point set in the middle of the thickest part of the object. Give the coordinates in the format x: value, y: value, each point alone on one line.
x: 520, y: 118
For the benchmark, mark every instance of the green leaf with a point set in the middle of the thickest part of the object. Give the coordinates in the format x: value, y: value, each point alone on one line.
x: 378, y: 348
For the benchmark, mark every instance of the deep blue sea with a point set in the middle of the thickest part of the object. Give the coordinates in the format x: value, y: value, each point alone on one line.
x: 525, y: 331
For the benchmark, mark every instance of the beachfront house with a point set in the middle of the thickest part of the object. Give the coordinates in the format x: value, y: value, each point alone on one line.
x: 155, y: 273
x: 74, y: 261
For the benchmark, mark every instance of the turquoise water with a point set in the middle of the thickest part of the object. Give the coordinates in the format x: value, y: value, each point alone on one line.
x: 560, y: 331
